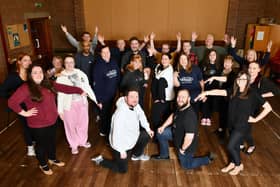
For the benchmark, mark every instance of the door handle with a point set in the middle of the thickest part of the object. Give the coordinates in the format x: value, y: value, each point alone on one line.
x: 37, y: 43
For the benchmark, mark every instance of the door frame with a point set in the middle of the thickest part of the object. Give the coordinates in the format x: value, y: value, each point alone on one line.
x: 47, y: 28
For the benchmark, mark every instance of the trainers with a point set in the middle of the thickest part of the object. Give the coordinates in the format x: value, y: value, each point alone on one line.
x: 208, y: 122
x: 30, y: 151
x: 46, y: 170
x: 97, y: 159
x: 158, y: 157
x: 203, y: 121
x: 75, y: 151
x: 87, y: 145
x: 102, y: 134
x: 141, y: 157
x: 211, y: 156
x: 97, y: 119
x: 57, y: 163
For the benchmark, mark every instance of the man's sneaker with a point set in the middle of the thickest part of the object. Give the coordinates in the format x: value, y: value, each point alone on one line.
x: 87, y: 145
x: 46, y: 170
x: 97, y: 159
x: 158, y: 157
x: 211, y: 156
x: 141, y: 157
x: 102, y: 134
x: 30, y: 151
x: 57, y: 163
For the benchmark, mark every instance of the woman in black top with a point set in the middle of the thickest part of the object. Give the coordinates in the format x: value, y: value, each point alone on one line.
x: 243, y: 101
x: 210, y: 68
x: 10, y: 85
x: 134, y: 77
x: 226, y: 81
x: 266, y: 88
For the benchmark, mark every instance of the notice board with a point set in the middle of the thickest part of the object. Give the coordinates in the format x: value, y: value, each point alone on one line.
x: 18, y: 35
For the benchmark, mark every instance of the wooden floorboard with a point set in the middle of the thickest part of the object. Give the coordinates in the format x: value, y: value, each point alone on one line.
x: 261, y: 169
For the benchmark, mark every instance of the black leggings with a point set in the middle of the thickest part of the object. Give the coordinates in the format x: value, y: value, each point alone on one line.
x: 160, y: 112
x: 105, y: 116
x: 235, y: 139
x: 26, y: 131
x: 45, y: 143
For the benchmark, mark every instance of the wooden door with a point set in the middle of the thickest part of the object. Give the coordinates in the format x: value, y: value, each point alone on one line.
x: 41, y: 39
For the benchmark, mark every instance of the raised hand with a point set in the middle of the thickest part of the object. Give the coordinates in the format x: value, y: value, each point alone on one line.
x: 96, y: 30
x: 178, y: 36
x: 269, y: 45
x: 63, y: 28
x: 194, y: 36
x: 152, y: 36
x: 210, y: 80
x: 200, y: 97
x: 233, y: 41
x: 146, y: 39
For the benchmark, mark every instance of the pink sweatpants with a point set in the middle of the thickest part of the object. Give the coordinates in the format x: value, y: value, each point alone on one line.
x: 76, y: 123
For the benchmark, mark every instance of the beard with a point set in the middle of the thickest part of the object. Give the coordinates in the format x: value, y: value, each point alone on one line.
x: 182, y: 106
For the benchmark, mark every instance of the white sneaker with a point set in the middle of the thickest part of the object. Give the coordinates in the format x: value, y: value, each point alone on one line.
x: 141, y: 157
x: 87, y: 145
x: 30, y: 151
x: 97, y: 159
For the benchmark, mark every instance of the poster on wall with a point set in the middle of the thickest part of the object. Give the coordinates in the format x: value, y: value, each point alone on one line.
x: 18, y: 36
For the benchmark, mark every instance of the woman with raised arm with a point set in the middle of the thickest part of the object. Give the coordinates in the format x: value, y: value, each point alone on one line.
x: 243, y: 101
x: 39, y: 96
x: 251, y: 55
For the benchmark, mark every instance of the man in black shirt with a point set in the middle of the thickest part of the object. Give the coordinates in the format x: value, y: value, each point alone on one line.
x: 184, y: 131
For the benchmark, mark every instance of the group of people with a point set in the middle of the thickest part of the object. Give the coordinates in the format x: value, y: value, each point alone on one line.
x: 199, y: 78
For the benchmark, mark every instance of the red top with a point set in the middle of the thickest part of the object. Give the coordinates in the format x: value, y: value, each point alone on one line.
x: 47, y: 111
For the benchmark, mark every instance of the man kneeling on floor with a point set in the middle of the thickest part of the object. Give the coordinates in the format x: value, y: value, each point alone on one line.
x: 126, y: 135
x: 184, y: 132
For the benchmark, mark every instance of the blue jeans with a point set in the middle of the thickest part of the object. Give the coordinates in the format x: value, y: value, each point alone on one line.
x: 163, y: 139
x: 188, y: 161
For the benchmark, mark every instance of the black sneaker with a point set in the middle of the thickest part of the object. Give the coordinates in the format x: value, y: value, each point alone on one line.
x: 211, y: 156
x: 158, y: 157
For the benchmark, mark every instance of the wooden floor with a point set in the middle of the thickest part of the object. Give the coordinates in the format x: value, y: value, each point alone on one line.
x: 261, y: 169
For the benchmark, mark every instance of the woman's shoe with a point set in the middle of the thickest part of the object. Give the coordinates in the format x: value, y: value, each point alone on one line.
x: 228, y: 168
x: 237, y: 170
x: 250, y: 150
x: 57, y: 163
x: 208, y: 122
x: 46, y: 170
x: 203, y: 121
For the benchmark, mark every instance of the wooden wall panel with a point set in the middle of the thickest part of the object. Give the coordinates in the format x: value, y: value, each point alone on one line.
x: 98, y: 13
x: 182, y: 18
x: 125, y: 18
x: 153, y: 18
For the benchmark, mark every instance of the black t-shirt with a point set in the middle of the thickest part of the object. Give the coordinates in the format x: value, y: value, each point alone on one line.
x: 185, y: 121
x: 240, y: 109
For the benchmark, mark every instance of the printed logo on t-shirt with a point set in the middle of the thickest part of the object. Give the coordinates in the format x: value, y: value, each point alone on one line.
x: 186, y: 80
x: 89, y: 62
x: 111, y: 74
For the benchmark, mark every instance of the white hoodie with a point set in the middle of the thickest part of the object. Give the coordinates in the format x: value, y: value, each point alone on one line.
x: 125, y: 126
